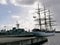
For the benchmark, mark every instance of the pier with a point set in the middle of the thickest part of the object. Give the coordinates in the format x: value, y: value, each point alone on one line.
x: 22, y: 40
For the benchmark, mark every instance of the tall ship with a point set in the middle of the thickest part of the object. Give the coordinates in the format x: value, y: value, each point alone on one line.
x: 44, y: 22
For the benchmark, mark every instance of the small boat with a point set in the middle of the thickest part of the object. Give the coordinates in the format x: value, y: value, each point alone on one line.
x: 45, y: 23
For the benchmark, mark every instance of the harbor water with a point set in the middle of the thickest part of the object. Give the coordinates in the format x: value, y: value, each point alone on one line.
x: 53, y: 40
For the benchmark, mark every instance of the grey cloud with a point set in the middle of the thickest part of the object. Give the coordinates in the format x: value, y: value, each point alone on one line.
x: 25, y: 2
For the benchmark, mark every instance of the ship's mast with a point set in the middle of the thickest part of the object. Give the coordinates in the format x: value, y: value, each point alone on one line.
x: 45, y: 19
x: 40, y: 19
x: 39, y: 16
x: 50, y: 24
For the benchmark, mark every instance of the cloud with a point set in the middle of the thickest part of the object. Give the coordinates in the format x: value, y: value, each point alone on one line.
x: 17, y: 2
x: 3, y: 2
x: 25, y: 19
x: 24, y: 2
x: 7, y: 26
x: 15, y: 17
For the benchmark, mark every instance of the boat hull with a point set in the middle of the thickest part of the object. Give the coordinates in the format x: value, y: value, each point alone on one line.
x: 43, y: 34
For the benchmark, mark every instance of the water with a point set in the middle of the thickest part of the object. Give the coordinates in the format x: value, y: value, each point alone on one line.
x: 53, y: 40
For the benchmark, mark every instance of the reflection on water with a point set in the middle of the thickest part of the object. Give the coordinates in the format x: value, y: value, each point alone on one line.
x: 53, y: 40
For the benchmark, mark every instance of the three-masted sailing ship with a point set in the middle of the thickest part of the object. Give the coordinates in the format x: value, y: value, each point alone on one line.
x: 44, y: 23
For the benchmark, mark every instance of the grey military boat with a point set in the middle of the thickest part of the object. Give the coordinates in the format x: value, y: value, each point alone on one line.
x: 16, y: 32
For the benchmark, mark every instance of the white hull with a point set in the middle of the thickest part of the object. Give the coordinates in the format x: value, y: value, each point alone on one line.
x: 43, y: 34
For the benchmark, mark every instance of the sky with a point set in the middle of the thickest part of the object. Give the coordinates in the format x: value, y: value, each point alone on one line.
x: 22, y: 11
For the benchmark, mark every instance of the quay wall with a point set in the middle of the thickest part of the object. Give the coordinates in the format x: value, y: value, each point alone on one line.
x: 22, y: 40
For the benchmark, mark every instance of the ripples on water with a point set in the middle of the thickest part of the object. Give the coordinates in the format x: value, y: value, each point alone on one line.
x: 53, y: 40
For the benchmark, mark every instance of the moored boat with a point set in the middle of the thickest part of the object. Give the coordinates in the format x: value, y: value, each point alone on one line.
x: 45, y: 23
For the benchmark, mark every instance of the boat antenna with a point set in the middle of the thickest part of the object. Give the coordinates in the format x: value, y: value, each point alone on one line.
x: 17, y: 25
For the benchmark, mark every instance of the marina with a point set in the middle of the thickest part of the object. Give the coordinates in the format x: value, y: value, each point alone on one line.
x: 44, y: 24
x: 42, y: 28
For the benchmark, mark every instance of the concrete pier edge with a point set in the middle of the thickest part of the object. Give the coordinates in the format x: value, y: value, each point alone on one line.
x: 22, y: 40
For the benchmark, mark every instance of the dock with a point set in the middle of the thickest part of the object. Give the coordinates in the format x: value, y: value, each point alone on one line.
x: 22, y: 40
